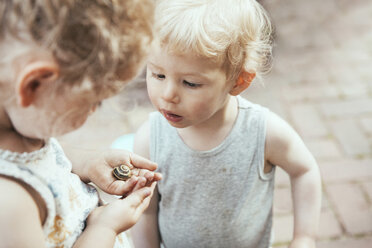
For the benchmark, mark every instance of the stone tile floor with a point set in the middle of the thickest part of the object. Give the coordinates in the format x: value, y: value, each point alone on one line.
x: 321, y: 82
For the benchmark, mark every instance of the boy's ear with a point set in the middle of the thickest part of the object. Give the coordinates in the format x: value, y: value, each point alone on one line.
x: 32, y: 78
x: 244, y: 80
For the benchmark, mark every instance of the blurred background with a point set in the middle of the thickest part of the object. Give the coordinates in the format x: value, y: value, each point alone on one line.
x: 321, y: 83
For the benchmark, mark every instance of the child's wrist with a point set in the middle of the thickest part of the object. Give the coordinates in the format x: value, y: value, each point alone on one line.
x: 102, y: 230
x: 96, y: 236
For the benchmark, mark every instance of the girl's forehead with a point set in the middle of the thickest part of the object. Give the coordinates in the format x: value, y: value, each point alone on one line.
x: 162, y: 54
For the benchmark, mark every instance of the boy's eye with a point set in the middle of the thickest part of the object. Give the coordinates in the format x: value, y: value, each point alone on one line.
x: 191, y: 85
x: 158, y: 76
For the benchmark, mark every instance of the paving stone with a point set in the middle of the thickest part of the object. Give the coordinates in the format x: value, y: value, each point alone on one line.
x: 351, y: 138
x: 368, y: 189
x: 346, y: 243
x: 347, y: 108
x: 347, y: 22
x: 324, y: 149
x: 283, y: 229
x: 325, y: 203
x: 329, y: 227
x: 355, y: 213
x: 355, y: 50
x: 358, y: 89
x: 367, y: 125
x: 266, y: 97
x: 343, y: 74
x: 281, y: 178
x: 315, y: 80
x: 346, y: 170
x: 346, y: 5
x: 356, y: 12
x: 282, y: 201
x: 307, y: 121
x: 310, y: 93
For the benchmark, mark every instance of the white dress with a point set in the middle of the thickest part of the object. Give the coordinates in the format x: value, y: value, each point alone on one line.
x: 68, y: 200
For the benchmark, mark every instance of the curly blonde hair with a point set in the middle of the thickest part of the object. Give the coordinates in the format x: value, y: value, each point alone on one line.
x: 236, y: 33
x: 104, y: 41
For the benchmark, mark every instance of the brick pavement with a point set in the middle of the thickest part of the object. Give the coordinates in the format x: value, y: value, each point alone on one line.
x: 321, y: 82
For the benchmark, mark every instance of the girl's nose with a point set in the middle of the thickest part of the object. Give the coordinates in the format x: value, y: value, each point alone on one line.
x: 170, y: 93
x: 94, y: 107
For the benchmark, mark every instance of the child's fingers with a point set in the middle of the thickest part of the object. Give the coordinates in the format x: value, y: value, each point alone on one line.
x: 145, y: 203
x: 118, y: 187
x: 136, y: 198
x: 152, y: 177
x: 149, y: 175
x: 140, y: 184
x: 140, y: 179
x: 157, y: 176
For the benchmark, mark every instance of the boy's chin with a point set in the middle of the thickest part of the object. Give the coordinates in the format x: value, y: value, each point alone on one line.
x: 177, y: 124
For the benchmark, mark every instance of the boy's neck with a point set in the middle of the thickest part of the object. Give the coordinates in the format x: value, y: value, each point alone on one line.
x: 199, y: 137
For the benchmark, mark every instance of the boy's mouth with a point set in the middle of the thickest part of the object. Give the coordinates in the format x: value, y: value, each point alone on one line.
x: 171, y: 117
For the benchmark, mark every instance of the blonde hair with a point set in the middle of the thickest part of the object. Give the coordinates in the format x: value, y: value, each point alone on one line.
x: 235, y: 33
x: 104, y: 41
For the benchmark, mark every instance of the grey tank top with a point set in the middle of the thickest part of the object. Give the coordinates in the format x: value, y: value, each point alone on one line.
x: 215, y: 198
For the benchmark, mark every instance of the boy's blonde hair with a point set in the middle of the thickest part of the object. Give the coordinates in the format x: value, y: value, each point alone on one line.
x: 104, y: 41
x: 235, y: 33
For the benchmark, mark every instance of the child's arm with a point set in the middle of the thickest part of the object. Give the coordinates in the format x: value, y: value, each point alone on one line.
x: 106, y: 222
x: 145, y: 233
x: 20, y: 216
x: 285, y: 148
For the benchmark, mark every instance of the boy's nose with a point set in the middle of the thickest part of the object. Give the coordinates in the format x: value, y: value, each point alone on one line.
x: 170, y: 93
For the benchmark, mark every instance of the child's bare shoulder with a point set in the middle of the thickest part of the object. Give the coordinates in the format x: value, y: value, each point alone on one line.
x: 280, y: 137
x: 278, y: 131
x: 19, y: 214
x: 16, y: 196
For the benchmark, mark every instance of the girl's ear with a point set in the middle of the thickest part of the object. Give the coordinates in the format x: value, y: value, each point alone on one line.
x: 33, y: 77
x: 244, y: 80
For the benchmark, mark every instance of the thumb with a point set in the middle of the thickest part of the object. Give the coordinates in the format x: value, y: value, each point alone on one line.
x: 145, y: 203
x: 141, y: 162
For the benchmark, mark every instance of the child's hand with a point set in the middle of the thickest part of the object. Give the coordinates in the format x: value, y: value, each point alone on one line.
x: 98, y: 169
x: 122, y: 214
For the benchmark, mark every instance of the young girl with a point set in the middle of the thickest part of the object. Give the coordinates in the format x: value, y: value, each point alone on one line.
x: 58, y: 60
x: 217, y: 152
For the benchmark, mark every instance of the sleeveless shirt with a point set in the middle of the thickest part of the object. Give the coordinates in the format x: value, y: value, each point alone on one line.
x: 215, y: 198
x: 68, y: 200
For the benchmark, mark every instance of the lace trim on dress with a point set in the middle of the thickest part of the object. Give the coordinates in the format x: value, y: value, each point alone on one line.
x: 25, y: 157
